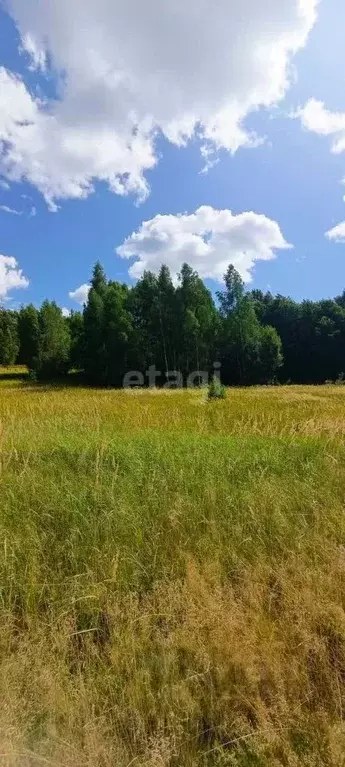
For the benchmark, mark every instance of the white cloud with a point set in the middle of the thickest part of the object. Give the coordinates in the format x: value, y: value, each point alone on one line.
x: 337, y: 234
x: 129, y: 69
x: 80, y: 294
x: 209, y: 240
x: 10, y: 276
x: 62, y: 159
x: 316, y: 118
x: 4, y: 184
x: 6, y: 209
x: 13, y: 211
x: 65, y: 312
x: 38, y: 56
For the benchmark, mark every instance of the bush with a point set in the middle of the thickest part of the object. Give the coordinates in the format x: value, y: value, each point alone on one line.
x: 32, y: 376
x: 216, y: 390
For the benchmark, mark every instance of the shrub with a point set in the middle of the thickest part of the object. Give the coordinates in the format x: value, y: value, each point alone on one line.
x: 216, y: 390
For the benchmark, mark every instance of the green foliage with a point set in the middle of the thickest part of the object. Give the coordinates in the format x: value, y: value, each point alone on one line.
x: 271, y: 357
x: 216, y: 390
x: 29, y: 332
x: 240, y: 342
x: 312, y: 335
x: 196, y: 319
x: 231, y: 297
x: 9, y: 340
x: 54, y: 341
x: 117, y: 330
x: 144, y: 305
x: 75, y: 322
x: 257, y: 337
x: 94, y: 353
x: 166, y: 318
x: 99, y: 280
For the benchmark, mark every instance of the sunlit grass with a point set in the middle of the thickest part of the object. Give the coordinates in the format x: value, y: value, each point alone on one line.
x: 172, y: 577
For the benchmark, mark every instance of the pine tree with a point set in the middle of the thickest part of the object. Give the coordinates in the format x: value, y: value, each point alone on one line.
x: 94, y: 357
x: 99, y: 280
x: 94, y: 353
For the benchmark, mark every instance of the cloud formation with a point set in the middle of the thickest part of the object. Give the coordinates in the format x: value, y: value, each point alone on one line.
x: 6, y: 209
x: 209, y: 240
x: 337, y: 234
x: 80, y: 294
x: 316, y: 118
x: 11, y: 277
x: 126, y: 70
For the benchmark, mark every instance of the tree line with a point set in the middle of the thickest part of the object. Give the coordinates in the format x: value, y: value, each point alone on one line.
x: 257, y: 338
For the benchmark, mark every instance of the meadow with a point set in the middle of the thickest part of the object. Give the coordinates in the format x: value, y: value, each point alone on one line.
x: 172, y: 577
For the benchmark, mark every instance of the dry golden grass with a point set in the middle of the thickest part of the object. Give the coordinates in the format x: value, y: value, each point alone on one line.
x: 172, y: 578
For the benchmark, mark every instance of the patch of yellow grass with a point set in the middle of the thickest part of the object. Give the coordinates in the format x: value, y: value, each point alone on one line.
x: 172, y: 578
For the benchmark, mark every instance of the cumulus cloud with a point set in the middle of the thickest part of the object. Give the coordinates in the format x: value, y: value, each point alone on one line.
x: 62, y: 159
x: 10, y: 276
x: 209, y: 240
x: 126, y: 70
x: 316, y: 118
x: 80, y: 294
x: 65, y: 312
x: 337, y: 234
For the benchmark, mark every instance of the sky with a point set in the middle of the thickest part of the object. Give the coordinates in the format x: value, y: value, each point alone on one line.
x: 140, y: 133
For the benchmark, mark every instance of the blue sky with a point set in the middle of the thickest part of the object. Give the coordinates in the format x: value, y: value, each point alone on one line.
x: 293, y: 178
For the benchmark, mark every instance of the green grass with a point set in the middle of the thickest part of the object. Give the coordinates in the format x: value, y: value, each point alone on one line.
x: 172, y: 577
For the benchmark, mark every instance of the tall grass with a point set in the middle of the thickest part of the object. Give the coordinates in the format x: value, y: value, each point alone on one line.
x: 172, y: 578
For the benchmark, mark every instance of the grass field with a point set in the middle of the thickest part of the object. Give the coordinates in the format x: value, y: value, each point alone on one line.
x: 172, y: 577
